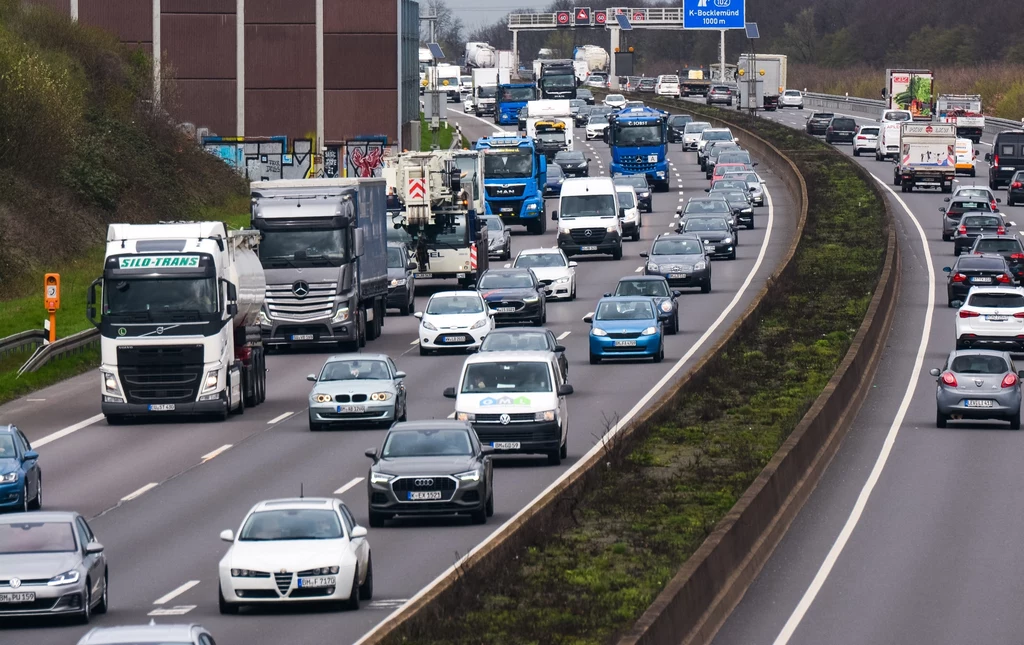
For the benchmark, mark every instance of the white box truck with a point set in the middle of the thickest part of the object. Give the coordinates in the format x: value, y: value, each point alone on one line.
x: 485, y: 87
x: 910, y: 89
x: 927, y: 157
x: 770, y: 71
x: 550, y: 113
x: 963, y: 111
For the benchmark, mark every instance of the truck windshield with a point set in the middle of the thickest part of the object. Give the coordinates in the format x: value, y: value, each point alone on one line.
x: 304, y: 248
x: 587, y: 206
x: 558, y: 82
x: 517, y: 94
x: 486, y: 91
x: 639, y: 135
x: 554, y: 136
x: 508, y: 164
x: 159, y: 295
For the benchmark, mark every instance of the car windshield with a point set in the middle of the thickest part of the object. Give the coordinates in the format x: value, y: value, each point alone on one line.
x: 553, y: 136
x: 735, y: 196
x: 516, y: 341
x: 427, y: 443
x: 449, y: 305
x: 597, y: 119
x: 725, y: 184
x: 869, y: 131
x: 695, y: 127
x: 677, y: 247
x: 355, y: 370
x: 639, y: 182
x: 37, y: 537
x: 998, y: 246
x: 554, y: 172
x: 531, y: 260
x: 6, y: 446
x: 822, y: 116
x: 980, y: 220
x: 963, y: 206
x: 397, y: 258
x: 487, y: 91
x: 587, y: 206
x: 506, y: 281
x: 792, y: 93
x: 625, y: 310
x: 626, y: 200
x: 577, y: 103
x: 974, y: 192
x: 748, y: 177
x: 505, y: 378
x: 653, y: 288
x: 679, y: 120
x: 508, y: 164
x: 291, y: 524
x: 896, y: 116
x: 569, y: 156
x: 843, y: 124
x: 706, y: 224
x: 493, y: 224
x: 978, y: 364
x: 707, y: 206
x: 615, y: 98
x: 979, y: 263
x: 717, y: 135
x: 1001, y: 300
x: 516, y: 94
x: 732, y: 157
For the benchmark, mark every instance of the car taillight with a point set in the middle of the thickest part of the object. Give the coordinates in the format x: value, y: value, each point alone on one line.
x: 859, y: 138
x: 969, y: 314
x: 1001, y: 230
x: 1019, y: 314
x: 962, y: 230
x: 995, y: 161
x: 993, y: 204
x: 1002, y: 278
x: 1009, y: 380
x: 1017, y: 256
x: 1015, y: 184
x: 959, y: 277
x: 949, y: 379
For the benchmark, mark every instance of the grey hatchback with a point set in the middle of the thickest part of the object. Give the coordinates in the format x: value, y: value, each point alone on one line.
x: 977, y: 384
x: 179, y: 634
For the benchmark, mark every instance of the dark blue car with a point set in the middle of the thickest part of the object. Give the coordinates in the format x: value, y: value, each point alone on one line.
x: 21, y: 480
x: 555, y: 179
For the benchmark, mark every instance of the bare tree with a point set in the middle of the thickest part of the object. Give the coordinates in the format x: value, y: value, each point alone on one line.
x: 447, y: 29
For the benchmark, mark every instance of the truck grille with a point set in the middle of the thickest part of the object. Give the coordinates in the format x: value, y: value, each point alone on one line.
x: 636, y: 163
x: 587, y: 236
x: 507, y: 207
x: 283, y: 302
x: 169, y: 374
x: 518, y: 417
x: 516, y: 190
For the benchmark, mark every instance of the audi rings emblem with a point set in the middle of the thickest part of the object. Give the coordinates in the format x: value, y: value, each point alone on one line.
x: 504, y: 419
x: 423, y: 481
x: 588, y: 232
x: 15, y: 583
x: 300, y: 289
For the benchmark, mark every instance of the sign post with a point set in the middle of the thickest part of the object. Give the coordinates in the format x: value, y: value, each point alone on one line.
x: 51, y: 300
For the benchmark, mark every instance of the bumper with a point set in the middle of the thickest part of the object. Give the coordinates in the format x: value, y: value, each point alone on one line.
x: 609, y: 247
x: 719, y: 100
x: 559, y: 290
x: 321, y: 332
x: 628, y: 227
x: 689, y: 145
x: 374, y: 412
x: 528, y: 313
x: 686, y: 280
x: 717, y: 250
x: 216, y: 406
x: 466, y: 498
x: 552, y: 192
x: 263, y: 591
x: 11, y: 495
x: 816, y: 130
x: 745, y: 218
x: 577, y: 172
x: 532, y: 437
x: 495, y: 251
x: 1003, y: 405
x: 398, y: 297
x: 965, y: 169
x: 1000, y: 343
x: 1015, y: 195
x: 50, y: 601
x: 842, y: 138
x: 436, y: 339
x: 646, y: 347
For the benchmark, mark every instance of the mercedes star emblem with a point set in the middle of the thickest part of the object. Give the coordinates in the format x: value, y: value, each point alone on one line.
x: 15, y: 583
x: 504, y: 419
x: 588, y: 232
x: 300, y: 289
x: 423, y: 481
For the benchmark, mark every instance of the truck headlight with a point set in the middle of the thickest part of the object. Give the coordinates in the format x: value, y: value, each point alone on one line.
x: 380, y: 396
x: 341, y: 315
x: 650, y: 331
x: 546, y: 415
x: 264, y: 319
x: 212, y: 381
x: 465, y: 416
x: 110, y: 385
x: 380, y: 478
x: 531, y: 207
x: 469, y: 475
x: 564, y: 231
x: 612, y: 229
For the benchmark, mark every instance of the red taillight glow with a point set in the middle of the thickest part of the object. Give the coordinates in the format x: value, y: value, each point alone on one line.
x: 962, y: 230
x: 1017, y: 256
x: 959, y: 277
x: 969, y: 314
x: 1009, y: 380
x: 1019, y: 314
x: 993, y: 203
x: 1001, y: 230
x: 1015, y: 184
x: 995, y: 161
x: 949, y: 379
x: 1002, y: 278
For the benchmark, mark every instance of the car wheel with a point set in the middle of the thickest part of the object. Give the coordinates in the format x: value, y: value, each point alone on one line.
x: 366, y: 589
x: 957, y: 251
x: 424, y: 351
x: 636, y: 235
x: 101, y: 607
x: 316, y: 426
x: 86, y: 615
x: 555, y: 457
x: 24, y: 499
x: 572, y: 294
x: 377, y: 519
x: 352, y: 604
x: 490, y: 503
x: 405, y: 411
x: 595, y: 359
x: 675, y: 324
x: 563, y: 452
x: 617, y: 254
x: 946, y: 237
x: 479, y: 516
x: 732, y: 256
x: 660, y: 356
x: 856, y: 152
x: 750, y: 226
x: 940, y: 419
x: 37, y: 501
x: 1015, y: 421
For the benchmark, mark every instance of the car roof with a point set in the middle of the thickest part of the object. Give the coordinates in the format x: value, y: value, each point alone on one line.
x: 357, y: 356
x: 993, y: 236
x: 519, y: 330
x: 7, y: 428
x: 995, y: 289
x: 291, y: 503
x: 497, y: 357
x: 39, y: 516
x: 979, y: 352
x: 509, y: 271
x: 643, y: 278
x: 433, y: 424
x: 540, y: 251
x: 979, y: 261
x: 151, y: 633
x: 452, y: 294
x: 624, y: 299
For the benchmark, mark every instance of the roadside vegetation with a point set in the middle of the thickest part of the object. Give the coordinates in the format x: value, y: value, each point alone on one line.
x: 445, y: 135
x: 589, y: 578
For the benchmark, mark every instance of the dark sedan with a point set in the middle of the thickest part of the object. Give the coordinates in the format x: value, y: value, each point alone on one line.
x: 712, y: 204
x: 1015, y: 191
x: 717, y: 233
x: 573, y: 163
x: 521, y: 122
x: 585, y: 94
x: 719, y: 94
x: 956, y: 209
x: 646, y: 85
x: 974, y: 270
x: 582, y: 116
x: 1010, y: 247
x: 682, y: 259
x: 430, y: 468
x: 840, y: 129
x: 525, y: 339
x: 640, y: 185
x: 401, y: 278
x: 514, y: 295
x: 499, y: 239
x: 676, y: 126
x: 554, y: 181
x: 656, y: 288
x: 974, y: 224
x: 742, y: 209
x: 817, y: 122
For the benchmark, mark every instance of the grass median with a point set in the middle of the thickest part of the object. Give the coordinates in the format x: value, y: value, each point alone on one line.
x: 661, y: 496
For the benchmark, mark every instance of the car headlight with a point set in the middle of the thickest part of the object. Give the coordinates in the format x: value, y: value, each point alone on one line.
x: 263, y: 318
x: 325, y: 571
x: 380, y: 396
x: 398, y: 282
x: 666, y: 306
x: 465, y: 416
x: 597, y: 331
x: 322, y: 398
x: 531, y: 299
x: 562, y: 280
x: 612, y: 229
x: 341, y: 315
x: 564, y: 231
x: 650, y: 331
x: 110, y: 385
x: 546, y: 415
x: 652, y: 266
x: 480, y: 323
x: 469, y: 476
x: 9, y: 478
x: 211, y: 382
x: 66, y: 578
x: 380, y: 478
x: 561, y: 180
x: 727, y: 240
x: 248, y: 573
x: 700, y: 266
x: 645, y: 194
x: 426, y: 325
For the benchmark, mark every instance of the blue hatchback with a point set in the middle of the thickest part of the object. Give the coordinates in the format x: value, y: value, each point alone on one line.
x: 21, y: 480
x: 625, y: 327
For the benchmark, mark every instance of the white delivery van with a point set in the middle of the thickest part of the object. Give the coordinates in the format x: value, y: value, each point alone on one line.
x: 516, y: 402
x: 629, y: 212
x: 887, y: 146
x: 965, y: 156
x: 588, y: 217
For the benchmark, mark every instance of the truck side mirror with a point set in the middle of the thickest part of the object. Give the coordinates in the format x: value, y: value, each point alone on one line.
x: 231, y: 309
x: 90, y: 300
x: 232, y: 292
x: 357, y: 243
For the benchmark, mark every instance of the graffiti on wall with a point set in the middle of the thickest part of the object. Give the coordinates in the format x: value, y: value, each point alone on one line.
x: 264, y: 158
x: 364, y: 156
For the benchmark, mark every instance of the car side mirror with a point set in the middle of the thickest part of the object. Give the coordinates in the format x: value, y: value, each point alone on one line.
x: 400, y: 375
x: 956, y: 304
x: 559, y: 348
x: 998, y: 201
x: 707, y: 190
x: 372, y: 454
x: 486, y: 450
x: 946, y: 269
x: 358, y: 532
x: 411, y: 266
x: 311, y: 378
x: 1020, y: 374
x: 947, y: 199
x: 30, y: 455
x: 755, y: 164
x: 93, y: 548
x: 676, y: 294
x: 942, y: 210
x: 418, y: 314
x: 622, y: 212
x: 645, y: 254
x: 449, y: 393
x: 589, y: 318
x: 573, y: 264
x: 227, y: 535
x: 589, y: 159
x: 565, y: 389
x: 934, y: 371
x: 988, y: 156
x: 554, y: 216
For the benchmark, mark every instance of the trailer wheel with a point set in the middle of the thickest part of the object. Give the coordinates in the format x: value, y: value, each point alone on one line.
x: 249, y: 395
x: 261, y: 376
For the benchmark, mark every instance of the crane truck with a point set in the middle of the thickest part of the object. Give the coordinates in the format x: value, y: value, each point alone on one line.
x: 178, y: 321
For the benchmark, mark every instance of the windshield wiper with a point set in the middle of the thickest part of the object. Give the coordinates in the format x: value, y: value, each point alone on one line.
x: 279, y: 261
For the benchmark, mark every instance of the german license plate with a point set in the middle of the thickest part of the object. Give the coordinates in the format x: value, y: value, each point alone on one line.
x: 996, y: 318
x: 588, y: 248
x: 506, y: 209
x: 421, y: 495
x: 505, y: 445
x: 978, y: 403
x: 675, y: 276
x: 161, y: 407
x: 351, y: 408
x: 454, y: 339
x: 424, y: 275
x: 321, y: 581
x: 24, y: 596
x: 302, y: 336
x: 505, y: 310
x: 625, y: 343
x: 459, y: 276
x: 981, y: 279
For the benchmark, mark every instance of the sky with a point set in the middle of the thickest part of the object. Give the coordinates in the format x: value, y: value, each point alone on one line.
x: 479, y: 13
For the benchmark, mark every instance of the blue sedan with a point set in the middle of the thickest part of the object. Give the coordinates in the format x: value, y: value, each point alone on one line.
x: 555, y: 179
x: 625, y: 327
x: 21, y: 480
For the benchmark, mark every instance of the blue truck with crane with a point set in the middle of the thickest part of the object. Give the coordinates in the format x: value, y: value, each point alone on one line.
x: 638, y: 138
x: 514, y: 176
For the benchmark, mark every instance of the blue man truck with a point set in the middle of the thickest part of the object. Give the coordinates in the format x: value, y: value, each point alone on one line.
x: 514, y: 176
x: 512, y: 97
x: 638, y: 138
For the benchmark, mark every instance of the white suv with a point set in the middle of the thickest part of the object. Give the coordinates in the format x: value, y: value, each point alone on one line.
x: 667, y: 85
x: 791, y: 98
x: 992, y: 318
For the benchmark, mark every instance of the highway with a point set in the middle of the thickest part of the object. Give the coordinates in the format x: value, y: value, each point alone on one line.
x: 158, y: 494
x: 910, y: 535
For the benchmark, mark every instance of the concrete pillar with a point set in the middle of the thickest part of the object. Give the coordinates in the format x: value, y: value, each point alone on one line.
x: 239, y: 68
x: 157, y: 54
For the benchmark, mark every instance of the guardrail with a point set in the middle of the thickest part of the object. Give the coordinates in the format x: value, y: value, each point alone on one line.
x: 72, y: 344
x: 17, y: 342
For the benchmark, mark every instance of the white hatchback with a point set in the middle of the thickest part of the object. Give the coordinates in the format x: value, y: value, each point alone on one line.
x: 991, y: 318
x: 454, y: 320
x: 667, y: 85
x: 552, y: 268
x: 791, y: 98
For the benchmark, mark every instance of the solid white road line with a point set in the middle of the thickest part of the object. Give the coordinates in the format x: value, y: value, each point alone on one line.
x: 60, y: 434
x: 178, y: 610
x: 563, y: 335
x: 34, y: 400
x: 138, y: 493
x: 638, y: 270
x: 415, y: 342
x: 883, y: 456
x: 163, y: 600
x: 490, y: 124
x: 280, y: 417
x: 210, y: 455
x: 348, y: 485
x: 618, y: 426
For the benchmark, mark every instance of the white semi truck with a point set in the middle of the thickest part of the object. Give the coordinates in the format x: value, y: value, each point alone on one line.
x: 485, y: 87
x: 963, y: 111
x: 479, y: 55
x: 179, y: 309
x: 927, y: 157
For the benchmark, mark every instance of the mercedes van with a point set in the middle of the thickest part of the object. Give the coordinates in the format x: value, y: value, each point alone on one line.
x: 588, y: 217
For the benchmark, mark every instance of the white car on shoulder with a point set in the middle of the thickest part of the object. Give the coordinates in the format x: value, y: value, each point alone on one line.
x: 296, y: 550
x: 667, y: 85
x: 454, y: 320
x: 552, y: 268
x: 991, y: 318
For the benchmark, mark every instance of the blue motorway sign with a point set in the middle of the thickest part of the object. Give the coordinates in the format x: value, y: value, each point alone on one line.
x: 714, y: 14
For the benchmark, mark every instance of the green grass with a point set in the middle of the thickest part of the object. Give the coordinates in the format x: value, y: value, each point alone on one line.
x: 12, y: 387
x: 591, y: 578
x: 445, y: 135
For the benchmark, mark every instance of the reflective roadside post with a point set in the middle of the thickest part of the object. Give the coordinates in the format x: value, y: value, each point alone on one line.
x: 51, y: 300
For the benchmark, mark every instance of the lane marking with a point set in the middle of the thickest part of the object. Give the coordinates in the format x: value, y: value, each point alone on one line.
x: 563, y: 335
x: 60, y: 434
x: 179, y: 610
x: 163, y: 600
x: 349, y: 485
x: 451, y: 416
x: 34, y: 400
x: 599, y: 446
x: 387, y: 604
x: 415, y: 342
x: 279, y: 418
x: 138, y: 493
x: 210, y: 455
x: 638, y: 270
x: 883, y: 456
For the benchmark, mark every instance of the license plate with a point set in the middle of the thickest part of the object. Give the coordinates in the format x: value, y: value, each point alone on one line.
x: 505, y: 310
x: 978, y: 403
x: 351, y: 408
x: 674, y: 276
x: 996, y: 318
x: 161, y: 407
x: 625, y: 343
x: 460, y: 275
x: 302, y: 336
x: 420, y: 495
x: 24, y: 596
x: 506, y: 209
x: 981, y: 279
x: 454, y: 339
x: 424, y: 275
x: 323, y: 581
x: 505, y: 445
x: 588, y: 248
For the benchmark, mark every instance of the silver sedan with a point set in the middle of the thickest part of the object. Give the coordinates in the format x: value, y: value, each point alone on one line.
x: 357, y: 389
x: 977, y: 384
